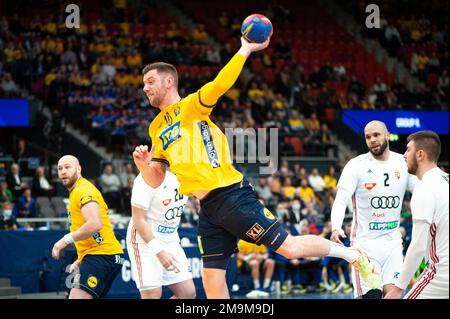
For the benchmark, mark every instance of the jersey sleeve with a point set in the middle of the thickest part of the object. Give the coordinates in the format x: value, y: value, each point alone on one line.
x: 348, y: 179
x: 142, y: 194
x: 87, y: 195
x: 206, y: 98
x: 423, y: 204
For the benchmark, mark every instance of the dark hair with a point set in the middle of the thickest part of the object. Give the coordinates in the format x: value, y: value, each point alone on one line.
x: 429, y: 142
x: 162, y: 67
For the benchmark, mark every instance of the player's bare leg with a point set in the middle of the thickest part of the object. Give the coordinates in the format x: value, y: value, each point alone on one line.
x: 151, y: 293
x: 183, y: 290
x: 215, y: 284
x: 77, y: 293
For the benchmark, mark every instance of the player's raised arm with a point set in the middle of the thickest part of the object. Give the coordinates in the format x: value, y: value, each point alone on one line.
x: 345, y: 189
x: 212, y: 91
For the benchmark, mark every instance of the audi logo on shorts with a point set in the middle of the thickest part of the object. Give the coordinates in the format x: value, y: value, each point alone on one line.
x: 174, y: 212
x: 384, y: 202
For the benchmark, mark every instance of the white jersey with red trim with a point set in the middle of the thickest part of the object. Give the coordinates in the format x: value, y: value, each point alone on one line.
x: 430, y: 203
x: 163, y: 205
x: 378, y: 189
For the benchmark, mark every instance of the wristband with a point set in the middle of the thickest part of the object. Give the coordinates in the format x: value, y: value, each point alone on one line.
x: 155, y: 246
x: 68, y: 239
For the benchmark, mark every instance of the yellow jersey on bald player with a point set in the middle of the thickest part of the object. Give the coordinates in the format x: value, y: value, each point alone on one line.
x: 188, y: 141
x: 103, y: 242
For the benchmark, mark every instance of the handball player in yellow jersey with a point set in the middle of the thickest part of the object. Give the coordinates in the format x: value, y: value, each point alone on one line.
x: 184, y: 138
x: 100, y: 256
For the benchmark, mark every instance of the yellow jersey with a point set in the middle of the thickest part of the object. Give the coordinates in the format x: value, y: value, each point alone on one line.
x: 188, y: 141
x: 103, y: 242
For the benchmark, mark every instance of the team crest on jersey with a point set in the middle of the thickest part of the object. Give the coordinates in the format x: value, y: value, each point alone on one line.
x: 370, y: 186
x: 166, y: 202
x: 369, y: 171
x: 268, y: 214
x: 397, y: 174
x: 170, y: 135
x: 92, y: 281
x: 176, y: 111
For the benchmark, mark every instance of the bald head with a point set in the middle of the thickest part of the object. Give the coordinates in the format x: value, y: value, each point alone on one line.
x: 377, y: 138
x: 376, y: 126
x: 69, y: 170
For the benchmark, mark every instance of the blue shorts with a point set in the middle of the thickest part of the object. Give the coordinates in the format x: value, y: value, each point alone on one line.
x: 97, y: 272
x: 233, y: 212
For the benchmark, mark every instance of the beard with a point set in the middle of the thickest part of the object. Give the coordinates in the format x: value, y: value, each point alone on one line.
x: 71, y: 181
x: 412, y: 168
x: 380, y: 152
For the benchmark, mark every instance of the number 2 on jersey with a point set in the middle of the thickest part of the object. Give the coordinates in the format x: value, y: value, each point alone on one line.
x: 386, y: 179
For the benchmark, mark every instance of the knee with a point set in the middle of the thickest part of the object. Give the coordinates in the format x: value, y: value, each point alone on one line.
x: 269, y: 263
x: 253, y: 263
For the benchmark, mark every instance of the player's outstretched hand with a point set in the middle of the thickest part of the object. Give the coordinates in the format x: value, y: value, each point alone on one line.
x: 336, y: 234
x: 168, y: 261
x: 249, y: 47
x: 142, y: 156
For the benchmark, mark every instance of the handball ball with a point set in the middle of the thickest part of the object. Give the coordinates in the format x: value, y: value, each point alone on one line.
x: 256, y: 28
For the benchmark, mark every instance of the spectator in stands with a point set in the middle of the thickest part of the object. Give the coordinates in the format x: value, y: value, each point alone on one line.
x: 6, y: 196
x: 8, y: 86
x: 262, y: 189
x: 316, y: 181
x: 7, y: 219
x: 110, y: 185
x: 330, y: 178
x: 127, y: 174
x: 254, y: 256
x: 199, y: 34
x: 294, y: 214
x: 306, y: 192
x: 20, y: 150
x: 25, y: 206
x: 14, y: 181
x: 311, y: 215
x: 288, y: 190
x: 41, y: 186
x: 326, y: 212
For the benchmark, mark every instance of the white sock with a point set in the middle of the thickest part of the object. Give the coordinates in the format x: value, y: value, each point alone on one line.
x: 256, y: 283
x: 266, y: 282
x: 339, y: 251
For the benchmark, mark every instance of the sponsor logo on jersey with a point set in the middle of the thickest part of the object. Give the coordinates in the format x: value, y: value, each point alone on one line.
x: 209, y: 144
x: 268, y: 214
x: 166, y: 201
x: 369, y: 171
x: 369, y: 186
x: 385, y: 202
x: 170, y: 135
x: 378, y: 215
x: 397, y: 174
x: 174, y: 212
x: 255, y: 231
x: 166, y: 230
x: 92, y: 281
x: 396, y: 274
x: 383, y: 225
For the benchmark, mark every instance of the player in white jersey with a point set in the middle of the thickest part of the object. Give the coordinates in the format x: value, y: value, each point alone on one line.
x: 153, y: 244
x: 429, y: 208
x: 375, y: 182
